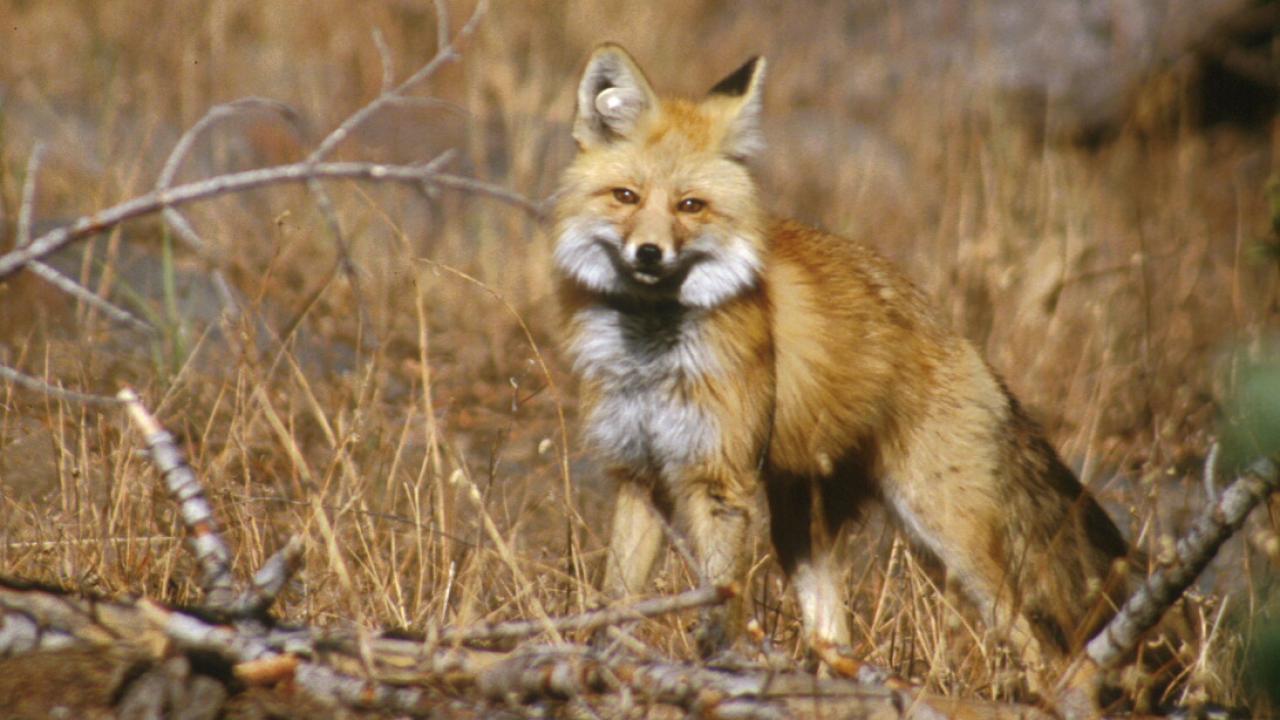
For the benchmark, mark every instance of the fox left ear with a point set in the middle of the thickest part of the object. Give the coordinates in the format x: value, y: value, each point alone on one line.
x: 741, y: 98
x: 613, y: 96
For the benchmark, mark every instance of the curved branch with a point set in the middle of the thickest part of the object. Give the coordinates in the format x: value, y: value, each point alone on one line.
x: 180, y: 195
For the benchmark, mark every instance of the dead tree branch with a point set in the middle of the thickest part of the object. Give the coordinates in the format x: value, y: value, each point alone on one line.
x: 180, y: 195
x: 1116, y: 642
x: 51, y: 275
x: 270, y: 580
x: 446, y: 52
x: 31, y: 254
x: 408, y: 677
x: 210, y: 550
x: 613, y: 615
x: 34, y: 384
x: 1193, y: 552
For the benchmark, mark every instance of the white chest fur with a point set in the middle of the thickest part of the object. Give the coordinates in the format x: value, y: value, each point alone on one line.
x: 645, y: 416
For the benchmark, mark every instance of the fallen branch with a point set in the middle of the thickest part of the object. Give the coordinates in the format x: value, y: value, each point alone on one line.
x: 413, y: 676
x: 207, y: 544
x: 1192, y: 553
x: 408, y: 677
x: 613, y: 615
x: 1116, y: 642
x: 270, y: 580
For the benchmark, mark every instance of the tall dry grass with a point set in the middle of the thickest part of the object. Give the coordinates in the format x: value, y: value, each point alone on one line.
x: 408, y: 429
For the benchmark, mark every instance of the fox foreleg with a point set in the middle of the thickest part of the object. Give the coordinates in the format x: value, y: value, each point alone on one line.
x: 635, y: 540
x: 715, y: 518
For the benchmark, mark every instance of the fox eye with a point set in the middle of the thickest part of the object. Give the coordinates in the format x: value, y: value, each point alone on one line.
x: 691, y: 205
x: 626, y: 196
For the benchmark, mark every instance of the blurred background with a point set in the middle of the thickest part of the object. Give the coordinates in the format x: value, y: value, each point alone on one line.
x: 1089, y: 190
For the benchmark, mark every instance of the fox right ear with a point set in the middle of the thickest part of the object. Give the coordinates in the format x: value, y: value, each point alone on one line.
x: 612, y: 97
x: 738, y: 99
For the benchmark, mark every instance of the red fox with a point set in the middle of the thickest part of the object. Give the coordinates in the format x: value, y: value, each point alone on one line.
x: 720, y: 349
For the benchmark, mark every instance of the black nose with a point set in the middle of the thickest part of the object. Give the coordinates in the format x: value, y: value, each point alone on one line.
x: 648, y: 254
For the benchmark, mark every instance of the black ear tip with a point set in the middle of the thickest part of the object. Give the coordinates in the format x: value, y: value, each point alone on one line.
x: 738, y: 81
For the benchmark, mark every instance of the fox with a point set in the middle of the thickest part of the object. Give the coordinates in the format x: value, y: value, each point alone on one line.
x: 722, y: 351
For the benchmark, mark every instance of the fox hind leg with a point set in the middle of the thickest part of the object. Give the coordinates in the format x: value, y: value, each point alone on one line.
x: 971, y: 541
x: 803, y: 531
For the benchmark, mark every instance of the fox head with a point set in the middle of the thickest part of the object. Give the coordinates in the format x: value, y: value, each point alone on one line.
x: 659, y: 203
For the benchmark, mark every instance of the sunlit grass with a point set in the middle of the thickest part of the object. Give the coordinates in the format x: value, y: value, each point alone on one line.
x: 1105, y: 284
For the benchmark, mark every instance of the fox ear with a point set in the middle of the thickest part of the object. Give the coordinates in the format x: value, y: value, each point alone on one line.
x: 612, y: 97
x: 741, y: 99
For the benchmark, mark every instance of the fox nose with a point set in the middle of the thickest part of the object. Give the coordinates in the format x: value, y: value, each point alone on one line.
x: 648, y: 254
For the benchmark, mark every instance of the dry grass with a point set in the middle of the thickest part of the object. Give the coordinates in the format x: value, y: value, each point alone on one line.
x: 1112, y: 287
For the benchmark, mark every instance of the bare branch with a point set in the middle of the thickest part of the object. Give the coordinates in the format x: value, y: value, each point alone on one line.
x: 175, y: 219
x: 34, y: 384
x: 445, y: 53
x: 26, y: 213
x: 651, y: 607
x: 270, y: 580
x: 247, y: 180
x: 183, y: 148
x: 50, y: 274
x: 1117, y: 641
x: 1193, y: 552
x: 206, y: 541
x: 216, y: 114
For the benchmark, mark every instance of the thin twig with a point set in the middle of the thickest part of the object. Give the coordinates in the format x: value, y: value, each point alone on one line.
x: 324, y: 202
x: 55, y: 278
x: 1211, y: 472
x: 216, y: 114
x: 517, y: 629
x: 183, y: 148
x: 442, y: 25
x: 34, y: 384
x: 175, y: 219
x: 384, y: 56
x: 446, y: 53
